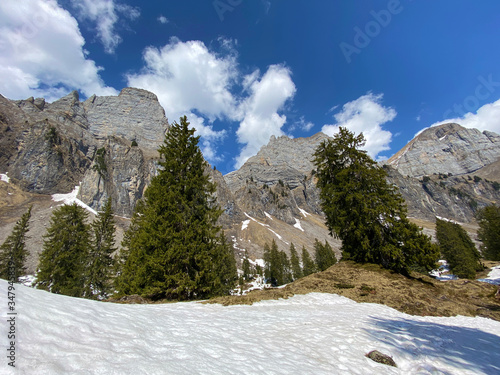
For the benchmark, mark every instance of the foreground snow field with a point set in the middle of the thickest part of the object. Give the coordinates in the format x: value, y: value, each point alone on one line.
x: 307, y: 334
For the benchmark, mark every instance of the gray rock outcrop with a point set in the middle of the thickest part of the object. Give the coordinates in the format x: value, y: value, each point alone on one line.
x: 448, y: 148
x: 283, y: 159
x: 53, y: 147
x: 135, y: 115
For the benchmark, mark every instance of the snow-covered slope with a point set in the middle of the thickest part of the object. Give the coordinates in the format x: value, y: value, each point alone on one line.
x: 307, y: 334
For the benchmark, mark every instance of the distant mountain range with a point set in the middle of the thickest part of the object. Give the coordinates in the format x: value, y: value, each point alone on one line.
x: 107, y: 146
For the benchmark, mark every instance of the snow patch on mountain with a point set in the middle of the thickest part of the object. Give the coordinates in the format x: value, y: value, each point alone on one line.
x: 258, y: 222
x: 244, y: 224
x: 71, y: 198
x: 4, y: 177
x: 297, y: 224
x: 304, y: 212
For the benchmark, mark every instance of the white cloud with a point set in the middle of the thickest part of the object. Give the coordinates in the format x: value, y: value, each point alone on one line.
x: 260, y: 110
x: 105, y: 15
x: 41, y: 53
x: 301, y: 124
x: 486, y: 118
x: 162, y: 19
x: 209, y: 137
x: 365, y: 115
x: 191, y: 80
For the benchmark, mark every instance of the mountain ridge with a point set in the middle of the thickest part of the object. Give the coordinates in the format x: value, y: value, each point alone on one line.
x: 107, y: 146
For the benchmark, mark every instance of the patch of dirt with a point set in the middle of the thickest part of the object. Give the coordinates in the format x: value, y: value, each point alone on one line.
x: 418, y: 295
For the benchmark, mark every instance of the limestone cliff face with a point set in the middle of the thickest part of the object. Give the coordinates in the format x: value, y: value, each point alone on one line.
x: 278, y: 180
x: 282, y: 159
x: 453, y: 197
x: 133, y: 115
x: 445, y: 149
x: 51, y: 148
x: 122, y: 172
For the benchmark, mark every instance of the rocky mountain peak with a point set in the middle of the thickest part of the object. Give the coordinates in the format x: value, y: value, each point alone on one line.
x: 50, y: 148
x: 135, y: 115
x: 282, y: 159
x: 445, y: 149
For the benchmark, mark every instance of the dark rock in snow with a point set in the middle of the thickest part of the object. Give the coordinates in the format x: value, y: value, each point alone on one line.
x: 378, y: 357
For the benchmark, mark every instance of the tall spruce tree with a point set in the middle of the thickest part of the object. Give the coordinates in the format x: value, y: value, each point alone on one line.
x: 458, y: 249
x: 99, y: 270
x: 63, y: 261
x: 246, y: 266
x: 267, y: 263
x: 295, y: 263
x: 489, y: 232
x: 324, y: 255
x: 13, y: 251
x: 273, y: 264
x: 175, y: 248
x: 308, y: 265
x: 365, y: 212
x: 285, y: 275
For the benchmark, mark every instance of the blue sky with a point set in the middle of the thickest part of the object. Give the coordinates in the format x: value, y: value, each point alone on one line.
x: 243, y: 70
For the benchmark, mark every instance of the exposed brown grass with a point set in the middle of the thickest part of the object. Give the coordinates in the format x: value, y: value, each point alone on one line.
x: 419, y: 295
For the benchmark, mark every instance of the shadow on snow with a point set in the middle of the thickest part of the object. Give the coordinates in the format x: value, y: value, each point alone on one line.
x: 460, y: 347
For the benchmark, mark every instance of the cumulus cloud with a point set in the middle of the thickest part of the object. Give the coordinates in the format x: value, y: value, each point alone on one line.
x: 41, y: 53
x: 105, y: 14
x: 261, y: 119
x: 487, y: 117
x: 365, y: 115
x: 162, y: 19
x: 191, y: 80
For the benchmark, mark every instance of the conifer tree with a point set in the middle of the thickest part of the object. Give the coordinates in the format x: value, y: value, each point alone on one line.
x: 99, y: 270
x: 278, y: 270
x: 295, y: 263
x: 308, y: 264
x: 267, y: 262
x: 13, y: 251
x: 65, y: 252
x: 246, y: 269
x: 458, y: 249
x: 489, y: 232
x: 365, y: 212
x: 285, y: 271
x: 175, y: 248
x: 324, y: 255
x: 273, y: 264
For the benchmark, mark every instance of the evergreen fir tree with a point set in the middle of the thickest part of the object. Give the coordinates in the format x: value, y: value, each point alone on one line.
x: 489, y: 232
x: 308, y: 264
x: 13, y: 251
x: 120, y: 281
x: 365, y: 212
x: 175, y: 248
x: 277, y: 266
x: 458, y: 249
x: 65, y: 252
x: 267, y: 263
x: 324, y: 255
x: 285, y: 271
x: 295, y: 263
x: 101, y: 263
x: 246, y: 269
